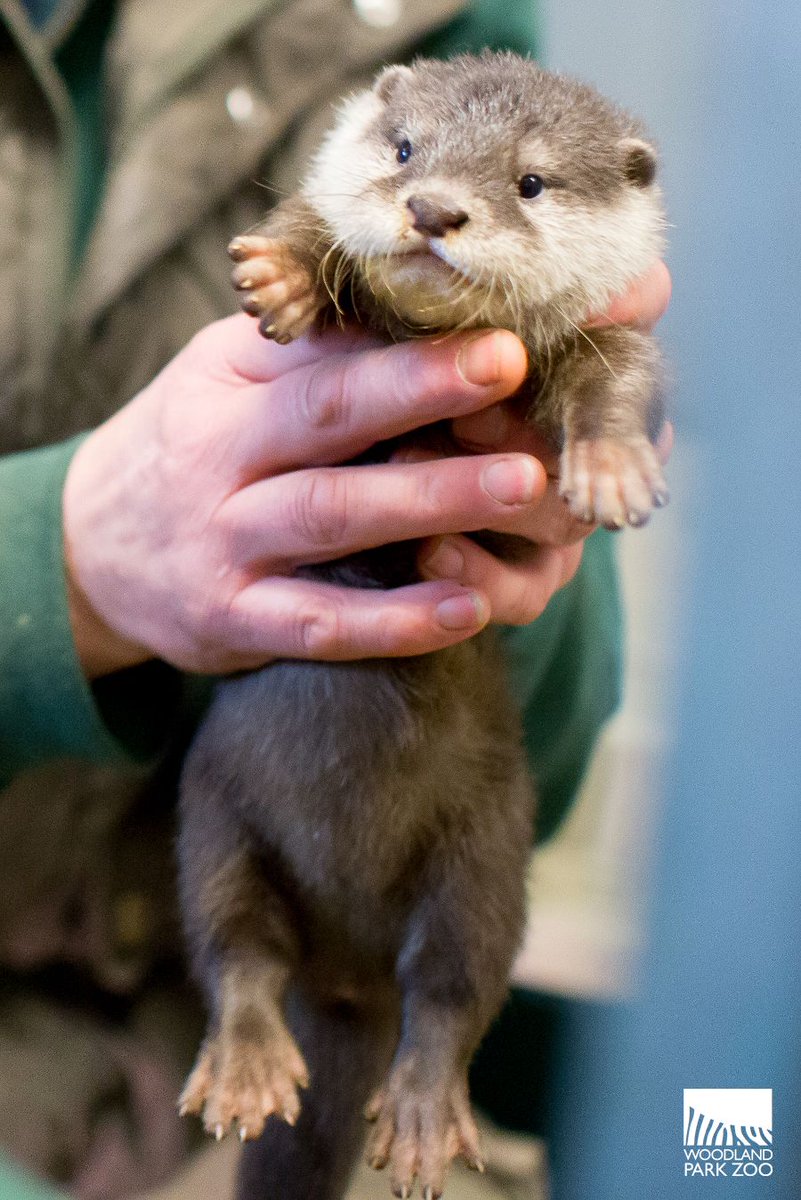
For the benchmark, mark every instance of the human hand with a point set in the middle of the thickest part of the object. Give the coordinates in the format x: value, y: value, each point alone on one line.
x: 519, y: 592
x: 187, y: 512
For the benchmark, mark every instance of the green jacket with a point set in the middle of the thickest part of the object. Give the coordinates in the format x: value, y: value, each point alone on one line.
x: 101, y: 285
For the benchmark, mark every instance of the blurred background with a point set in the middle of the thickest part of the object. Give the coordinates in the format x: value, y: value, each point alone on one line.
x: 668, y: 908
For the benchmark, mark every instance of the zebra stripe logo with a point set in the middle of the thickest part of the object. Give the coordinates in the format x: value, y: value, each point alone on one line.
x: 728, y: 1117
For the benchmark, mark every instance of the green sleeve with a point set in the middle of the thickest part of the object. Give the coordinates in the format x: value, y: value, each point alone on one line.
x: 47, y: 708
x: 18, y: 1185
x: 565, y: 672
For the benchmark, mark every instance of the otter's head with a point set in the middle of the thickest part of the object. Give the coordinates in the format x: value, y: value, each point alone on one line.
x: 471, y: 191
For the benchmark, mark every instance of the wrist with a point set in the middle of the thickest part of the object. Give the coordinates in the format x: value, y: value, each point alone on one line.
x: 100, y: 650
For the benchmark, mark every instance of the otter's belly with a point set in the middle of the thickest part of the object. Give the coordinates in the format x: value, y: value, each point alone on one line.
x: 328, y: 765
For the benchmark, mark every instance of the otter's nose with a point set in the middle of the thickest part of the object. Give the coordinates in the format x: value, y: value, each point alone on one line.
x: 433, y: 217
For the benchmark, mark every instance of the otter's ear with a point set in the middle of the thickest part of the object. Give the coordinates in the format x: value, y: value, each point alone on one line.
x: 389, y: 79
x: 639, y: 161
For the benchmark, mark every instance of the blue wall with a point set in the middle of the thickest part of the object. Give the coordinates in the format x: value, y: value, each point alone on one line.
x: 720, y: 86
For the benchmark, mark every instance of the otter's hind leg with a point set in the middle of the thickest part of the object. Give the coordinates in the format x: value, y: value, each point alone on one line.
x: 453, y: 972
x: 243, y: 949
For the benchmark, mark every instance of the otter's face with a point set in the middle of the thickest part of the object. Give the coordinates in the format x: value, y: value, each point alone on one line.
x: 472, y: 191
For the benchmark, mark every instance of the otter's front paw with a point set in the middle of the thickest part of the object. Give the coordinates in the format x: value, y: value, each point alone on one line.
x: 419, y: 1130
x: 612, y: 482
x: 274, y: 287
x: 236, y: 1079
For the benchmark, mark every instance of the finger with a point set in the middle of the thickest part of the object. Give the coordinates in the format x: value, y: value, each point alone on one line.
x: 236, y: 343
x: 500, y: 429
x: 317, y: 515
x: 642, y: 305
x: 517, y: 592
x: 334, y: 408
x: 550, y: 523
x: 503, y: 427
x: 298, y: 618
x: 484, y: 430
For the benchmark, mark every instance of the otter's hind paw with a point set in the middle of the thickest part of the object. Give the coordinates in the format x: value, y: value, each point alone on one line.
x: 418, y: 1132
x: 274, y: 287
x: 612, y: 482
x: 246, y: 1082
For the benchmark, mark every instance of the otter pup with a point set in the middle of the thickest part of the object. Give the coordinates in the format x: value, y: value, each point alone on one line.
x: 355, y: 836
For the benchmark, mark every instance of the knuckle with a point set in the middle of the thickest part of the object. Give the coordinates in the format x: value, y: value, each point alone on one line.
x: 322, y: 399
x: 208, y: 617
x: 205, y: 630
x: 420, y: 374
x: 319, y: 631
x: 554, y: 525
x: 526, y: 604
x: 208, y: 595
x: 431, y: 496
x: 565, y: 533
x: 408, y: 373
x: 405, y: 372
x: 571, y: 561
x: 523, y: 614
x: 217, y: 529
x: 321, y: 509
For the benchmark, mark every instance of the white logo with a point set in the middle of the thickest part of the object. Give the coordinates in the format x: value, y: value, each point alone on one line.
x: 728, y: 1116
x: 728, y: 1131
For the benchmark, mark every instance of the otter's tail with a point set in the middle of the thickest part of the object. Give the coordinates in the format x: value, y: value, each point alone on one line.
x: 347, y: 1051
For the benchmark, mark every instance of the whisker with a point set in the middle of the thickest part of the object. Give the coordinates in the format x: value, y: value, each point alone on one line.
x: 270, y: 187
x: 587, y: 338
x: 332, y: 290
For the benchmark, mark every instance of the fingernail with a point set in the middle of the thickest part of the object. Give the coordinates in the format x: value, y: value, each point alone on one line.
x: 511, y: 480
x: 446, y: 560
x: 479, y: 361
x: 468, y: 611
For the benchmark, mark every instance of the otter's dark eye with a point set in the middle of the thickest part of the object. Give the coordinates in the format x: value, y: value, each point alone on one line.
x: 404, y: 151
x: 531, y: 186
